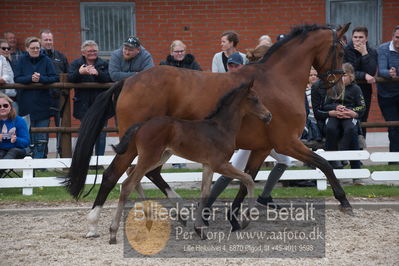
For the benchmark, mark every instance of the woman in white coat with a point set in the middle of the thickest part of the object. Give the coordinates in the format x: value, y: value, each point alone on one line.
x: 7, y: 76
x: 229, y: 41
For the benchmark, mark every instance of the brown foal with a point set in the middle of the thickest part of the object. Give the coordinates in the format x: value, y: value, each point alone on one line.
x: 210, y: 142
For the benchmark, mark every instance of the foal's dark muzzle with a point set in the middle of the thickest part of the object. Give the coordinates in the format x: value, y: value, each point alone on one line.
x: 267, y: 118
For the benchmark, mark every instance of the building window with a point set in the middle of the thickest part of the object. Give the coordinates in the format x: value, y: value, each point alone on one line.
x: 109, y: 24
x: 359, y: 13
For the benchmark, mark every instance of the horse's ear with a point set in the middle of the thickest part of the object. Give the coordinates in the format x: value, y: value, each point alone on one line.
x: 342, y: 29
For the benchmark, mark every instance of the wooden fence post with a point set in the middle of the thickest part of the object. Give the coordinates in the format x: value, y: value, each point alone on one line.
x: 66, y: 137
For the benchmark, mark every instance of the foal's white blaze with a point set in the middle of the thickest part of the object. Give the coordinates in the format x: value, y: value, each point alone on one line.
x: 93, y: 218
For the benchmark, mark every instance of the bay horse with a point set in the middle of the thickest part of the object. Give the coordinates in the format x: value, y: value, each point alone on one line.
x: 280, y: 80
x: 210, y: 142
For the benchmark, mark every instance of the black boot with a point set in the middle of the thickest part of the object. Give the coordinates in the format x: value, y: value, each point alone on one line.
x: 336, y: 164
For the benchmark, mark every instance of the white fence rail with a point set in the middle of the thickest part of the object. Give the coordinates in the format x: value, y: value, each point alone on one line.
x: 29, y: 181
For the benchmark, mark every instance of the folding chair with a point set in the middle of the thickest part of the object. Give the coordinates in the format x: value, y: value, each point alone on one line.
x: 28, y: 152
x: 11, y: 172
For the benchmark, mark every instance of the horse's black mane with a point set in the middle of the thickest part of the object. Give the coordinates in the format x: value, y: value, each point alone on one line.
x: 300, y: 31
x: 226, y: 100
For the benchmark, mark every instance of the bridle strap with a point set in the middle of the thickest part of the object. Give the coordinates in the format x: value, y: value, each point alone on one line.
x: 332, y: 76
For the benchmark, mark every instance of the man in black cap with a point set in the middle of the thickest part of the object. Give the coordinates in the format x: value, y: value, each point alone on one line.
x: 129, y: 59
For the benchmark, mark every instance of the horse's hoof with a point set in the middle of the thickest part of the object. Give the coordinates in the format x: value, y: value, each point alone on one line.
x: 112, y: 241
x: 235, y: 226
x: 182, y: 221
x: 244, y: 224
x: 206, y: 222
x: 92, y: 235
x: 347, y: 210
x: 201, y: 232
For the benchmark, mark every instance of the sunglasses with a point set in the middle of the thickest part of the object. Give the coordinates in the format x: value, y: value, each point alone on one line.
x: 5, y: 106
x: 5, y: 48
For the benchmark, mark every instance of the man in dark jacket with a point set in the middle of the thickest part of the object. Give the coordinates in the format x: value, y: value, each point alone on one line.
x: 35, y: 67
x: 61, y: 65
x: 364, y: 59
x: 88, y: 68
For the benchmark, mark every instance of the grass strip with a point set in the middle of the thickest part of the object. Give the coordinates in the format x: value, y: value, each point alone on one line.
x: 59, y: 194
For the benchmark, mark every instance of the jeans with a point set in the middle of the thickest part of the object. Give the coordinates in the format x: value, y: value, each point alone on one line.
x: 390, y: 110
x: 39, y: 140
x: 14, y: 153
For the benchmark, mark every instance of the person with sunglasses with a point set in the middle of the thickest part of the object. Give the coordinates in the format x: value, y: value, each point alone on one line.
x: 14, y: 135
x: 35, y: 66
x: 179, y: 58
x: 5, y: 50
x: 12, y: 41
x: 6, y: 72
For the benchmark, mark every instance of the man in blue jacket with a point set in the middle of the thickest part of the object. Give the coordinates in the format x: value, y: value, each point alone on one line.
x: 35, y: 67
x: 388, y: 92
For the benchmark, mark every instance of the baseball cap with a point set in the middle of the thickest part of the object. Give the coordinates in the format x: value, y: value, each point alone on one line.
x: 132, y: 42
x: 235, y: 58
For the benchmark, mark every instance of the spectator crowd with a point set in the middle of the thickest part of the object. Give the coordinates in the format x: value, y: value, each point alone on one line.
x: 332, y: 121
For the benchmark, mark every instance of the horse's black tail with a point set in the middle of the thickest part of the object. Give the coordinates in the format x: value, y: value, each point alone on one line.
x: 90, y: 128
x: 123, y: 145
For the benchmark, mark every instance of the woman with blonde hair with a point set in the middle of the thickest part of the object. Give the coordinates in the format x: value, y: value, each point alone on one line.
x: 179, y: 58
x: 342, y: 116
x: 14, y: 135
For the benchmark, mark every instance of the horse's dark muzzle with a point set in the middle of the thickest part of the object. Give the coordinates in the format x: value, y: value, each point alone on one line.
x: 267, y: 118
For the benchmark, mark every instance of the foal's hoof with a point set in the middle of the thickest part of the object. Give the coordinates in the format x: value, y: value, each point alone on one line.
x: 201, y: 232
x: 92, y: 235
x: 182, y: 220
x: 347, y: 210
x: 112, y: 241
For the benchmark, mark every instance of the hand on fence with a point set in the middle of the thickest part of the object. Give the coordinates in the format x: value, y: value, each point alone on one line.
x: 35, y: 77
x: 370, y: 79
x: 392, y: 72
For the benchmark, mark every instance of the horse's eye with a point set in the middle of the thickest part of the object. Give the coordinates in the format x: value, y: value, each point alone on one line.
x: 254, y: 99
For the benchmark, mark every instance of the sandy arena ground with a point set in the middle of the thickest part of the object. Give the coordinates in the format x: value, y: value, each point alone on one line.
x: 53, y: 234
